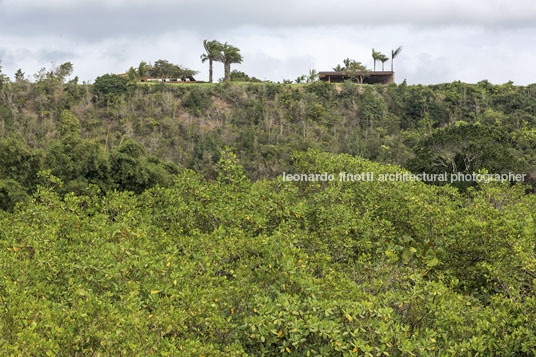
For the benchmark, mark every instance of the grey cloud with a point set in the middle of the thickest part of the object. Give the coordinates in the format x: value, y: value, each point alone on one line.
x: 45, y: 55
x: 6, y: 59
x: 94, y: 20
x: 428, y: 70
x: 444, y: 40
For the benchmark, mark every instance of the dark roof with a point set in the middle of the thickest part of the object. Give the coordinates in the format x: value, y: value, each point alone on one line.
x: 336, y: 73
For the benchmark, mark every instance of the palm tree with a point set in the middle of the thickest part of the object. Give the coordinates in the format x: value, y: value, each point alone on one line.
x: 375, y: 57
x: 394, y: 53
x: 142, y: 69
x: 313, y: 76
x: 383, y: 58
x: 229, y: 54
x: 213, y: 52
x: 133, y: 74
x: 339, y: 68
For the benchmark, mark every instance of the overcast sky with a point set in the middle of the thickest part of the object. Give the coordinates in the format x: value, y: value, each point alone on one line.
x: 443, y: 40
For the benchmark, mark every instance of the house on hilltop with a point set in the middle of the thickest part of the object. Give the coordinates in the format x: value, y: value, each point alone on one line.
x: 184, y: 79
x: 188, y: 79
x: 161, y: 71
x: 377, y: 77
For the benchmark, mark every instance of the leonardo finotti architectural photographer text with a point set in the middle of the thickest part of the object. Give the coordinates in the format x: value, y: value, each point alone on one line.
x: 405, y: 176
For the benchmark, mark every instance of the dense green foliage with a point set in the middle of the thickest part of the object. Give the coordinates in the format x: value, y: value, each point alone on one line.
x: 239, y: 76
x: 465, y: 148
x: 159, y: 69
x: 440, y: 128
x: 163, y: 68
x: 109, y: 87
x: 233, y: 267
x: 128, y: 227
x: 79, y: 163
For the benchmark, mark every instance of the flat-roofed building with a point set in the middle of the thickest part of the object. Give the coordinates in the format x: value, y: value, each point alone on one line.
x: 381, y: 77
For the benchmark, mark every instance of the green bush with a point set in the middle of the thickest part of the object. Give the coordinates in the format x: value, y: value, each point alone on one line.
x: 109, y: 87
x: 234, y: 267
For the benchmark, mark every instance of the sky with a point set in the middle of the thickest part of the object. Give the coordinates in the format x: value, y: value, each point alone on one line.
x: 443, y: 40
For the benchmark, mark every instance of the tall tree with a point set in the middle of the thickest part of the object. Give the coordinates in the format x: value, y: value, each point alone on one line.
x: 165, y: 69
x: 355, y: 70
x: 313, y: 76
x: 383, y: 58
x: 19, y: 75
x: 375, y: 57
x: 142, y: 69
x: 394, y: 53
x: 339, y: 68
x: 63, y: 71
x: 229, y: 54
x: 213, y: 50
x: 133, y: 74
x: 3, y: 77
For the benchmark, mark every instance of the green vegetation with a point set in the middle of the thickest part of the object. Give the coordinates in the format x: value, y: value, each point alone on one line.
x: 80, y: 163
x: 355, y: 70
x: 229, y: 55
x: 160, y: 69
x: 375, y: 57
x: 378, y: 56
x: 238, y: 76
x: 163, y: 68
x: 417, y: 127
x: 110, y: 87
x: 212, y: 53
x: 224, y: 53
x: 128, y: 226
x: 235, y: 267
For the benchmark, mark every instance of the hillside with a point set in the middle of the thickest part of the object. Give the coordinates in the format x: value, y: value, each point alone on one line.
x: 153, y: 219
x: 422, y: 128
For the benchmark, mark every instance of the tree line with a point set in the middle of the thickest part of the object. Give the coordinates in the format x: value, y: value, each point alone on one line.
x: 453, y: 127
x: 228, y: 54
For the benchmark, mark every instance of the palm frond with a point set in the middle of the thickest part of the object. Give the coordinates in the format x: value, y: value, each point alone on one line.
x: 212, y: 48
x: 395, y: 53
x: 229, y: 54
